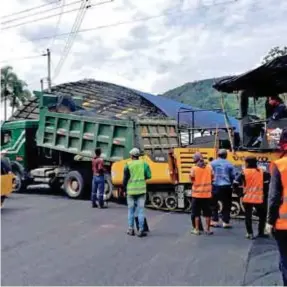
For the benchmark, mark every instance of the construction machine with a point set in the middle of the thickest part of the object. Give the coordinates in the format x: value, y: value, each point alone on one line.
x: 259, y: 138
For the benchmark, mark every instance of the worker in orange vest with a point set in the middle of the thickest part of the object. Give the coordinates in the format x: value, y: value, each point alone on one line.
x: 255, y: 191
x: 201, y: 176
x: 277, y: 206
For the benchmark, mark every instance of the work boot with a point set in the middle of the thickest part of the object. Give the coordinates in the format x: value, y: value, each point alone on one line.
x: 226, y: 225
x: 215, y: 224
x: 142, y: 233
x: 131, y: 232
x: 249, y: 236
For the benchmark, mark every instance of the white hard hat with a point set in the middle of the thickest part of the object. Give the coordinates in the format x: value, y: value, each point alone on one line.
x: 135, y: 152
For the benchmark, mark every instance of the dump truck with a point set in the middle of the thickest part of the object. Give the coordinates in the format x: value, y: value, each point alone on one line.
x: 259, y: 138
x: 57, y: 149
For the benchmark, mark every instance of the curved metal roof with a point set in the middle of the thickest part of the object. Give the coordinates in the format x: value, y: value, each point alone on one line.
x: 203, y: 119
x: 117, y: 101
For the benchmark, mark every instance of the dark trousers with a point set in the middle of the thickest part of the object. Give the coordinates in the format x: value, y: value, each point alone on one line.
x: 281, y: 239
x: 261, y: 212
x: 224, y: 194
x: 98, y: 189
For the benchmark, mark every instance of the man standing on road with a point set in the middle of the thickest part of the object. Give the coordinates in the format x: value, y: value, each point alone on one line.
x: 255, y: 191
x: 277, y: 206
x: 201, y: 176
x: 222, y: 188
x: 98, y: 184
x: 136, y: 173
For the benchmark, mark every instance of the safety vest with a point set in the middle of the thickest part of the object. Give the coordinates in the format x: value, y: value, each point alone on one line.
x: 281, y: 222
x: 254, y: 183
x: 202, y: 184
x: 136, y: 184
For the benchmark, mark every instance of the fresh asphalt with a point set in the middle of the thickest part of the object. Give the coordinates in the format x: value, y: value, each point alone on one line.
x: 51, y: 240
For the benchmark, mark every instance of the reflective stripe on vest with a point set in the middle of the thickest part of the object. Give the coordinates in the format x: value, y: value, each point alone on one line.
x: 253, y: 189
x: 136, y: 184
x: 202, y: 184
x: 281, y: 222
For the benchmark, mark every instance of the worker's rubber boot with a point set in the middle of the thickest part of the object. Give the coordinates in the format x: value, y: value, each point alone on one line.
x: 226, y: 225
x: 249, y: 236
x: 131, y: 232
x: 215, y: 224
x: 141, y: 233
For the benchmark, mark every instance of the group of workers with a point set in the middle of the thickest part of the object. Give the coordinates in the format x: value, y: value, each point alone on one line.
x: 213, y: 182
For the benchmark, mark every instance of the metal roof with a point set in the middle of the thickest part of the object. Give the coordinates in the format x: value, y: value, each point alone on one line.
x: 203, y: 119
x: 267, y: 79
x: 117, y: 101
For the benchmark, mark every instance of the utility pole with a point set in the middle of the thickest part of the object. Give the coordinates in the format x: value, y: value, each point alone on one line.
x: 42, y: 85
x: 48, y: 54
x: 49, y: 70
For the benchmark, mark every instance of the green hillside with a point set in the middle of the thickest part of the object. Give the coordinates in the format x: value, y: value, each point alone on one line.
x: 200, y: 94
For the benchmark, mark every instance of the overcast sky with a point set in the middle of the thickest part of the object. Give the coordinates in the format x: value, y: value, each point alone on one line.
x: 195, y: 40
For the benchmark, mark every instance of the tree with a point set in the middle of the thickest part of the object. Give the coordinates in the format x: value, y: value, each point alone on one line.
x: 12, y: 89
x: 274, y: 53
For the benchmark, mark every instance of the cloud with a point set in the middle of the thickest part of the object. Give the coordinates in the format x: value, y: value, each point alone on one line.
x: 193, y: 40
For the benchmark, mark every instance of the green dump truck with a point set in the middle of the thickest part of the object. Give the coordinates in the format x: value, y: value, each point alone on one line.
x: 57, y: 149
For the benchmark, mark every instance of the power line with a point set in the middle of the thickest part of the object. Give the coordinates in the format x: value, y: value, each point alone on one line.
x: 58, y: 23
x: 50, y: 16
x: 72, y: 35
x: 20, y: 59
x: 41, y: 12
x: 30, y: 9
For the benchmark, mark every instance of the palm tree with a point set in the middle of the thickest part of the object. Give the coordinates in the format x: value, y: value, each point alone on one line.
x: 12, y: 89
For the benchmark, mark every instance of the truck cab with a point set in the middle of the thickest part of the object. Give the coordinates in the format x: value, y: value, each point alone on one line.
x: 18, y: 141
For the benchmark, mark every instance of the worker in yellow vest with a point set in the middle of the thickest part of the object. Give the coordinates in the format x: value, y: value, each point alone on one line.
x: 201, y: 176
x: 136, y: 173
x: 277, y: 207
x: 255, y: 191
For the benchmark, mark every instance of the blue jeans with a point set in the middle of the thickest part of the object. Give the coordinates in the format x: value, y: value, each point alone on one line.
x: 136, y: 202
x: 281, y: 238
x: 98, y: 185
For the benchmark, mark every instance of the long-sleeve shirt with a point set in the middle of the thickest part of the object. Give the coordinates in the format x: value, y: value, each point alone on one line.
x: 240, y: 180
x: 224, y: 173
x: 127, y: 175
x: 275, y: 196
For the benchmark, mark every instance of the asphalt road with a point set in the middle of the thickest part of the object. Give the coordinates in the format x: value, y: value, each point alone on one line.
x: 51, y: 240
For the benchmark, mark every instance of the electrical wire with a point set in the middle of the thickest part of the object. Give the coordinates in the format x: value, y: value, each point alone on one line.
x: 116, y: 24
x: 40, y: 13
x: 58, y: 24
x: 20, y: 59
x: 50, y: 16
x: 30, y: 9
x: 72, y: 35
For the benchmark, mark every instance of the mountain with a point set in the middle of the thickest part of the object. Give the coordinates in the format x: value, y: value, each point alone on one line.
x: 201, y: 94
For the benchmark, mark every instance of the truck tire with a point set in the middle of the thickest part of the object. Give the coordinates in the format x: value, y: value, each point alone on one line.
x: 18, y: 170
x: 108, y: 187
x: 74, y: 185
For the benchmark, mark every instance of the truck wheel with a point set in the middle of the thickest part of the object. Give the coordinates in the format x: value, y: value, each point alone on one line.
x: 74, y: 185
x: 19, y: 186
x: 108, y: 188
